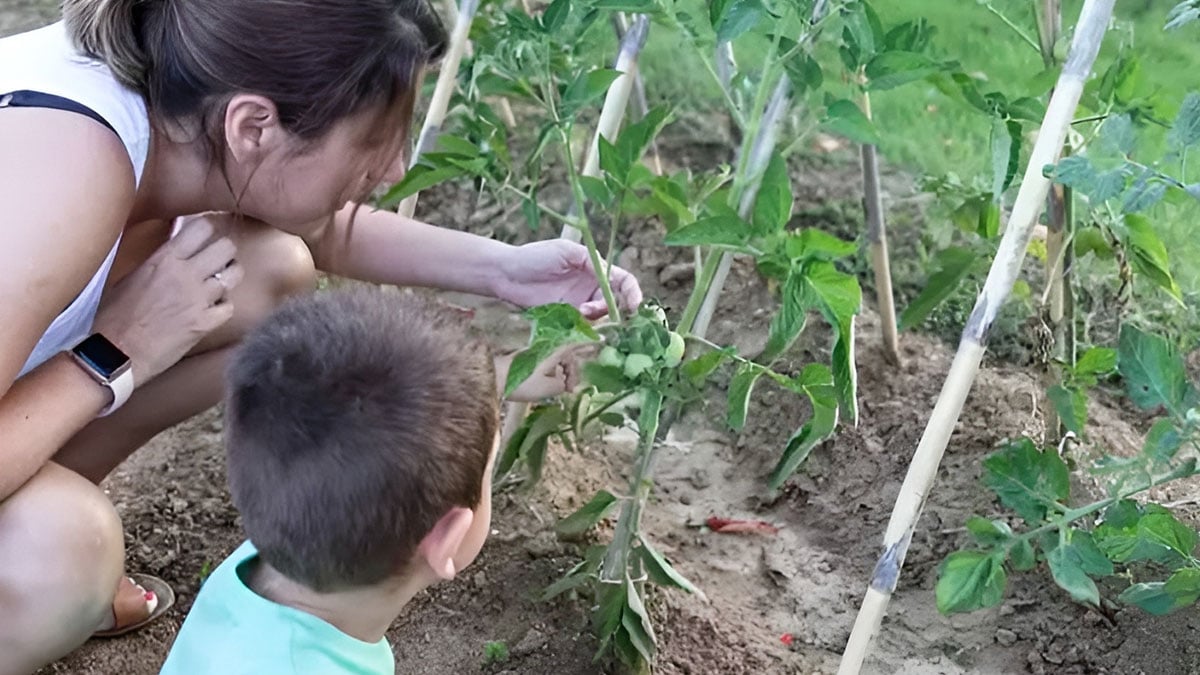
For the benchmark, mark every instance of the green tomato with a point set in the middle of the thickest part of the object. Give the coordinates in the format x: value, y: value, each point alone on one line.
x: 636, y: 364
x: 674, y: 352
x: 609, y: 356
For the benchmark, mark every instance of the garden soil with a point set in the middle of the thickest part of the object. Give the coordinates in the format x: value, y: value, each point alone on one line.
x: 805, y: 582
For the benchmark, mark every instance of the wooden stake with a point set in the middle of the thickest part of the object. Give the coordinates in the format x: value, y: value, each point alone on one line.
x: 877, y: 242
x: 1093, y: 21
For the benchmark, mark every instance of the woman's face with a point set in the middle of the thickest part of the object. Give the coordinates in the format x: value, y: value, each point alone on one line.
x: 296, y: 185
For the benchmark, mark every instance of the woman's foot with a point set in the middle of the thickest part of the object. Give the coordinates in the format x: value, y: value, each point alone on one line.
x: 139, y: 600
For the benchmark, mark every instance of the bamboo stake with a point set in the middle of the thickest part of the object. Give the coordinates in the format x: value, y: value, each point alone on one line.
x: 641, y: 104
x: 609, y: 125
x: 1093, y: 21
x: 877, y: 241
x: 615, y: 103
x: 440, y: 102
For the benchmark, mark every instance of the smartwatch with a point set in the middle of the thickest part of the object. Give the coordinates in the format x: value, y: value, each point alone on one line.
x: 108, y: 366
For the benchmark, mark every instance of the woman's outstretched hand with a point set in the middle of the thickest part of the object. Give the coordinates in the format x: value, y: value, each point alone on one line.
x: 557, y: 270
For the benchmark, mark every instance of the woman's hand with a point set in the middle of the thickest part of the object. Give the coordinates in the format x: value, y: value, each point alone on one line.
x: 161, y: 310
x: 557, y: 270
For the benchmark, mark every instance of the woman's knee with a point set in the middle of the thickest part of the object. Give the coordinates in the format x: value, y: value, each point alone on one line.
x: 61, y: 556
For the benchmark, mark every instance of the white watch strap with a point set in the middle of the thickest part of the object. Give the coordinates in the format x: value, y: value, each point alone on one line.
x: 122, y: 389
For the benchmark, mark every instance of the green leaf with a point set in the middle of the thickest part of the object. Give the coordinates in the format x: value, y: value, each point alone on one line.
x: 586, y: 87
x: 954, y: 264
x: 416, y: 179
x: 1071, y: 406
x: 1096, y: 361
x: 698, y: 369
x: 1185, y: 132
x: 574, y: 578
x: 739, y: 17
x: 805, y: 72
x: 1154, y: 372
x: 989, y: 532
x: 608, y: 379
x: 1129, y: 533
x: 1117, y: 135
x: 597, y: 508
x: 1184, y: 587
x: 773, y: 203
x: 635, y: 6
x: 811, y: 243
x: 838, y: 297
x: 789, y: 321
x: 556, y: 15
x: 1145, y: 192
x: 596, y: 190
x: 1091, y: 559
x: 1163, y: 529
x: 661, y: 572
x: 532, y: 214
x: 636, y: 622
x: 969, y: 580
x: 1091, y: 240
x: 1022, y: 556
x: 1151, y: 597
x: 723, y: 230
x: 818, y: 428
x: 739, y: 394
x: 1163, y: 441
x: 532, y: 447
x: 1027, y: 480
x: 1006, y: 156
x: 894, y: 68
x: 1075, y: 172
x: 844, y: 117
x: 1067, y: 569
x: 989, y: 220
x: 1027, y: 109
x: 554, y: 325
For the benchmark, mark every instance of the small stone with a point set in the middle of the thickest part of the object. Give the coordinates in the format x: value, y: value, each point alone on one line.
x: 1007, y: 610
x: 676, y: 273
x: 685, y: 499
x: 543, y: 545
x: 533, y: 641
x: 479, y: 580
x: 1006, y: 637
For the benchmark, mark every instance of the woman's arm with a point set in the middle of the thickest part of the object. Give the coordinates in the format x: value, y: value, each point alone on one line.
x: 52, y: 247
x: 385, y: 247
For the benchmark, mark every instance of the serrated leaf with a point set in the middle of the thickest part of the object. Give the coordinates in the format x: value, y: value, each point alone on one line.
x: 954, y: 264
x: 773, y: 203
x: 1006, y: 156
x: 1184, y: 587
x: 1164, y: 530
x: 1071, y: 406
x: 740, y: 389
x: 843, y: 117
x: 988, y: 532
x: 1117, y: 134
x: 818, y: 428
x: 895, y: 68
x: 1145, y: 192
x: 1185, y: 131
x: 969, y: 580
x: 722, y: 230
x: 789, y: 321
x: 586, y: 517
x: 1027, y: 480
x: 698, y: 369
x: 1076, y: 172
x: 1154, y: 372
x: 811, y: 243
x: 804, y: 72
x: 1068, y: 573
x: 660, y: 570
x: 1163, y: 441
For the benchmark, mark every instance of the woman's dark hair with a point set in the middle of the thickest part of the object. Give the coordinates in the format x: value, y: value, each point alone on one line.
x: 319, y: 61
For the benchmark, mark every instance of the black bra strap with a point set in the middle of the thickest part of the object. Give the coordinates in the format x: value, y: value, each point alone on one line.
x: 36, y: 99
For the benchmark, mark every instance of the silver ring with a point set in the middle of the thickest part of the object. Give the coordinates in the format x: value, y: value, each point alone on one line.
x: 217, y: 276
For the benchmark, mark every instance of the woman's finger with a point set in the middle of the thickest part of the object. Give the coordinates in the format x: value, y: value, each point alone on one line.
x: 191, y: 238
x: 214, y: 257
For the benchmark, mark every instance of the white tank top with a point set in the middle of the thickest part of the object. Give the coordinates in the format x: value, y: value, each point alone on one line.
x: 44, y: 60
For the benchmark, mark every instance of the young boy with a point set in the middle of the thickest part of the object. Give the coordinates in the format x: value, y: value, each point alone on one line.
x: 361, y: 427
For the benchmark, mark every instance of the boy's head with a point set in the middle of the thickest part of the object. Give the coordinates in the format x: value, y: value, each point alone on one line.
x: 359, y: 430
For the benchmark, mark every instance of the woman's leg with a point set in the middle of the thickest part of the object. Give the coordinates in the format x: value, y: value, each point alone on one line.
x: 61, y: 545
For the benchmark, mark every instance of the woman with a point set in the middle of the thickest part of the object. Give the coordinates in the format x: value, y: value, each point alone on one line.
x: 132, y: 115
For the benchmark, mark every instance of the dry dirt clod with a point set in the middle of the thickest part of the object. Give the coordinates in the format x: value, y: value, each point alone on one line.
x: 1006, y: 637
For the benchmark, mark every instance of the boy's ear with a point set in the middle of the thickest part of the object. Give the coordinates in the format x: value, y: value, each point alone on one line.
x: 444, y: 540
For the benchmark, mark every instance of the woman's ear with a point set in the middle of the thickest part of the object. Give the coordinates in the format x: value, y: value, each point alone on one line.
x: 440, y: 545
x: 252, y: 128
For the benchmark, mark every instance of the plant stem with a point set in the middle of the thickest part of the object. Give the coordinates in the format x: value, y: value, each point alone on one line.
x: 1016, y: 29
x: 615, y: 568
x: 560, y: 217
x: 922, y: 472
x: 585, y: 230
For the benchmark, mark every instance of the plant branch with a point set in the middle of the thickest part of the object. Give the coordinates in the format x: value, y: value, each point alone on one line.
x: 1016, y: 29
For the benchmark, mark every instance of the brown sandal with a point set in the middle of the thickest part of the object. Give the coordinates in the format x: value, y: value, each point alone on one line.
x: 162, y: 591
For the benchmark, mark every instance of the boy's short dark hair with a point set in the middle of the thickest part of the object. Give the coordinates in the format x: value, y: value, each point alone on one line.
x: 354, y: 420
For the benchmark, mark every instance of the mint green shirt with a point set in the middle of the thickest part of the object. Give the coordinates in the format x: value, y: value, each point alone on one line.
x: 231, y: 630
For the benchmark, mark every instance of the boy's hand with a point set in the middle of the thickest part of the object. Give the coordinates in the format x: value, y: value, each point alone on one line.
x: 558, y: 374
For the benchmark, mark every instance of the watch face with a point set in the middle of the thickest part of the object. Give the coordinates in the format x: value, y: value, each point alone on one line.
x: 101, y: 355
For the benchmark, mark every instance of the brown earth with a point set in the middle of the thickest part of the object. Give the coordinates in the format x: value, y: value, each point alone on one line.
x: 806, y: 581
